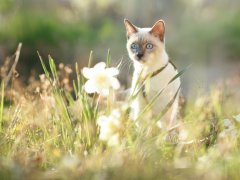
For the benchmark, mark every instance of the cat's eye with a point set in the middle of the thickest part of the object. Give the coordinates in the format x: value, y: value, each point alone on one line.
x: 149, y: 46
x: 134, y: 46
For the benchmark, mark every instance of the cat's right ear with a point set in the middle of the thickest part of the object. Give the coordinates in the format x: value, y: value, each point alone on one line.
x: 158, y: 29
x: 130, y: 28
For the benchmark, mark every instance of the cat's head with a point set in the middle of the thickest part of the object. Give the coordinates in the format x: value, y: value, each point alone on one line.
x: 145, y: 44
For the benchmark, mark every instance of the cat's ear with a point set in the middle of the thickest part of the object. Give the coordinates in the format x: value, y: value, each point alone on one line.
x: 130, y: 28
x: 158, y: 29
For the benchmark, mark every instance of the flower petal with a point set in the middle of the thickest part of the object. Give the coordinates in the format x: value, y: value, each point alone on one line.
x: 100, y: 65
x: 90, y: 87
x: 88, y: 73
x: 112, y: 71
x: 115, y: 83
x: 104, y: 92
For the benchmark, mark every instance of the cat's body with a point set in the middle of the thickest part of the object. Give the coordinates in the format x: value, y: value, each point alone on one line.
x: 152, y: 73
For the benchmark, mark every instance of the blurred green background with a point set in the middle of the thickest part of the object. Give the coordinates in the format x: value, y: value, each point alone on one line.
x: 205, y: 33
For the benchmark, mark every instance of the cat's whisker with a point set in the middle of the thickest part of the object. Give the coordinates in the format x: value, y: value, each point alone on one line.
x: 122, y: 63
x: 130, y: 65
x: 119, y: 60
x: 127, y: 64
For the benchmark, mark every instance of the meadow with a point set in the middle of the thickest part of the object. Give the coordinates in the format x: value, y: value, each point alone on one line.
x: 56, y: 128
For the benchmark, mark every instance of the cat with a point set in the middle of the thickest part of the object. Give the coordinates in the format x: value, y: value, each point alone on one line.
x: 152, y: 72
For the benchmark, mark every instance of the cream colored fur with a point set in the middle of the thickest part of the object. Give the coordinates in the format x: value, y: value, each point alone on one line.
x: 151, y: 62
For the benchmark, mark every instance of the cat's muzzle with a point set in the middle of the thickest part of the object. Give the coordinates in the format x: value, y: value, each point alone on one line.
x: 139, y: 56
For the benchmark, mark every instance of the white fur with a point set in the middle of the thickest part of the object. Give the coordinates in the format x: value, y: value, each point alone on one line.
x: 152, y: 62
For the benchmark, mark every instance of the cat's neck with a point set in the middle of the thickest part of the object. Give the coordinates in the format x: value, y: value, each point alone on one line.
x: 151, y: 65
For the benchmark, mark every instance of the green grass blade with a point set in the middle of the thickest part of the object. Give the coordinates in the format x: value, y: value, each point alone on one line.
x: 1, y: 105
x: 90, y: 59
x: 179, y: 74
x: 108, y: 58
x: 75, y: 89
x: 44, y: 66
x: 53, y: 70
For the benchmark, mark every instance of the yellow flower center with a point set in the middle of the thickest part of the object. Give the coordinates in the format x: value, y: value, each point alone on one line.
x: 102, y: 80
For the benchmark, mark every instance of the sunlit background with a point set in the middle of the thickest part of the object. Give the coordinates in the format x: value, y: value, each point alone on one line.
x: 204, y: 33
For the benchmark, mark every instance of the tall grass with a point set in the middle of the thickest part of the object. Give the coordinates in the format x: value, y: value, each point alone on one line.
x: 52, y: 132
x: 1, y: 105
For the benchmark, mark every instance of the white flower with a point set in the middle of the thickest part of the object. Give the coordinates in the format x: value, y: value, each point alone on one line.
x: 100, y: 79
x: 110, y: 127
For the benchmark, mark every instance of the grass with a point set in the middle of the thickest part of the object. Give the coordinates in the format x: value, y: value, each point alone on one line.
x: 49, y: 130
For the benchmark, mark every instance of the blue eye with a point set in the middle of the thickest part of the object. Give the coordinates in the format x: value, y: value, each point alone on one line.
x: 149, y: 46
x: 134, y: 46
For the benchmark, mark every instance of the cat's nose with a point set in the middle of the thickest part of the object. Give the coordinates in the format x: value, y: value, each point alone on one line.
x: 139, y: 55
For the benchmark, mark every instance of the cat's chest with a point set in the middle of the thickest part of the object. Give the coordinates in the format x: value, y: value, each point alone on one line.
x: 157, y: 82
x: 159, y: 87
x: 161, y: 81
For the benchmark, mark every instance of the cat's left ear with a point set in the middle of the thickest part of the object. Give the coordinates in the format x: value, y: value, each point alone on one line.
x: 130, y: 28
x: 158, y: 29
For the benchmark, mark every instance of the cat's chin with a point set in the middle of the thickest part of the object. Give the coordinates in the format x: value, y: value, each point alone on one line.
x: 140, y: 61
x: 140, y: 64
